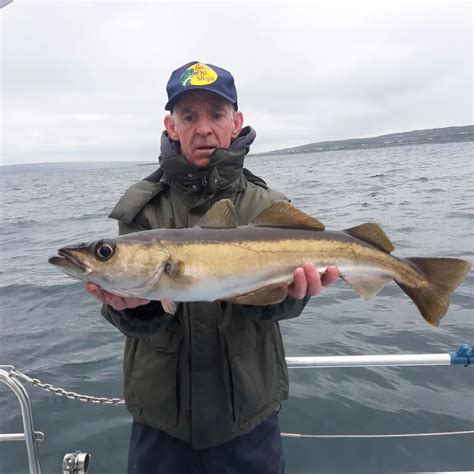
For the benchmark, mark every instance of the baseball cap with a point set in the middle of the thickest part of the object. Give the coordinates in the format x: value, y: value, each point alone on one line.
x: 200, y: 76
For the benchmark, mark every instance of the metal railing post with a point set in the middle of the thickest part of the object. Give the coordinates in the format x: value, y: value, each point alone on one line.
x: 30, y: 436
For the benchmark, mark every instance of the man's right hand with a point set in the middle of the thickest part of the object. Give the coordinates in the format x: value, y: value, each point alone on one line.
x: 119, y: 303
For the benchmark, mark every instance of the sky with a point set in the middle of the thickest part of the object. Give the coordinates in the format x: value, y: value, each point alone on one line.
x: 85, y: 81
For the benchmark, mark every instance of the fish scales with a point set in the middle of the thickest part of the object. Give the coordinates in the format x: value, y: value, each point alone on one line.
x: 254, y: 264
x: 283, y: 249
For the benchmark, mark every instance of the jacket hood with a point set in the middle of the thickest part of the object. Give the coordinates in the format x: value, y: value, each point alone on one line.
x: 223, y: 177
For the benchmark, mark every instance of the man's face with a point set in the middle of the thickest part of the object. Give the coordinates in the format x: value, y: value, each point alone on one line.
x: 203, y: 121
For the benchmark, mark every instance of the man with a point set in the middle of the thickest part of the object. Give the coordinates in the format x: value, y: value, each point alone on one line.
x: 203, y: 385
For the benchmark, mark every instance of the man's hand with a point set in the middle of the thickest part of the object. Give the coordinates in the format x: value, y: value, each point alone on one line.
x: 308, y: 281
x: 119, y: 303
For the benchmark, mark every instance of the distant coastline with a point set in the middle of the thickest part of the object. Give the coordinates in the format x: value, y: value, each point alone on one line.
x: 415, y: 137
x: 69, y: 166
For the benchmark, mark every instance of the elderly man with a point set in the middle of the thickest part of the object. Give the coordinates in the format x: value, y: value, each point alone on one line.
x: 203, y: 385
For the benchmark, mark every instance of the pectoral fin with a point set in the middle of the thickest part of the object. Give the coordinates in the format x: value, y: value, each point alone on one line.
x: 271, y: 294
x: 367, y: 287
x: 176, y: 271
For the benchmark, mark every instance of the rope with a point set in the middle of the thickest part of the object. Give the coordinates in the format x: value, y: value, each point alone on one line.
x: 117, y: 401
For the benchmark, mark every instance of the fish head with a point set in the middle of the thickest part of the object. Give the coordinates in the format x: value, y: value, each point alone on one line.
x: 124, y: 268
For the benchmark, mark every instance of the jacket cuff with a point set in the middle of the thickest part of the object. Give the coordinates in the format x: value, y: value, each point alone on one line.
x: 287, y: 309
x: 140, y: 321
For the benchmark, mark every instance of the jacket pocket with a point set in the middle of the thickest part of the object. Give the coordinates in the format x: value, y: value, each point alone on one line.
x: 165, y: 341
x: 152, y: 387
x: 253, y: 370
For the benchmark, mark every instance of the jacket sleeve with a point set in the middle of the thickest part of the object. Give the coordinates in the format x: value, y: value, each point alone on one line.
x: 140, y: 321
x: 137, y: 322
x: 287, y: 309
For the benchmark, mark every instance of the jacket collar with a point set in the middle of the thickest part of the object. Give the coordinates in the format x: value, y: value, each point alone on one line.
x: 170, y: 148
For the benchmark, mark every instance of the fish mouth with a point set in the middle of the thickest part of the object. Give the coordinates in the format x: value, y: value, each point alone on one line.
x: 66, y: 259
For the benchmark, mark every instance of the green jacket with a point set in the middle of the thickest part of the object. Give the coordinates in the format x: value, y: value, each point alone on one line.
x: 214, y: 370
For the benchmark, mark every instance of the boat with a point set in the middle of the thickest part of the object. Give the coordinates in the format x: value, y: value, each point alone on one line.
x: 77, y: 462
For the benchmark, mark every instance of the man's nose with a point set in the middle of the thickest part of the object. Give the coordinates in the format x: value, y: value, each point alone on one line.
x: 203, y: 127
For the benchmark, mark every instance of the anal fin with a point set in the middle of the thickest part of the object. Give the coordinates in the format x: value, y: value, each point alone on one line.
x: 366, y: 286
x: 271, y: 294
x: 169, y: 306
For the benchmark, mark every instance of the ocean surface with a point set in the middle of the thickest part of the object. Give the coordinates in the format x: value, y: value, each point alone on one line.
x: 50, y: 328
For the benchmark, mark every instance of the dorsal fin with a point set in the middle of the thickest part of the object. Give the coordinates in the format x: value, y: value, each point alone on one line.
x: 372, y: 234
x: 283, y: 214
x: 220, y: 215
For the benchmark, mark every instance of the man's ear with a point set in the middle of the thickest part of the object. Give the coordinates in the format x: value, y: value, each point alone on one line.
x: 171, y: 128
x: 238, y: 122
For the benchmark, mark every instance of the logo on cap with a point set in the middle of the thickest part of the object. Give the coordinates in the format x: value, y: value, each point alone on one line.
x: 198, y: 74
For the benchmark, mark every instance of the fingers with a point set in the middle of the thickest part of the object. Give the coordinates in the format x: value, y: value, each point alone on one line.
x: 313, y: 278
x: 329, y: 276
x: 135, y: 302
x: 95, y: 290
x: 119, y: 303
x: 299, y: 286
x: 307, y: 281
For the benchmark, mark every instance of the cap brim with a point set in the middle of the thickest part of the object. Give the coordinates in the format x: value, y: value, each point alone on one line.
x: 172, y: 102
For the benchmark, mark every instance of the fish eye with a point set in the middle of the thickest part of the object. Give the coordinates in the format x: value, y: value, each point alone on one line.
x: 103, y: 250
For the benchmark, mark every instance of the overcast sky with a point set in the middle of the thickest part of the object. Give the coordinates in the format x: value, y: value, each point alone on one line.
x: 85, y: 81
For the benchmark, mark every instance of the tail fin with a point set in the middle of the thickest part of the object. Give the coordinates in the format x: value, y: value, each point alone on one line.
x: 444, y: 275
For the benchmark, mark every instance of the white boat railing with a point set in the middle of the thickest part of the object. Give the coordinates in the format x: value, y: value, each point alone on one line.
x: 463, y: 356
x: 78, y: 463
x: 29, y: 435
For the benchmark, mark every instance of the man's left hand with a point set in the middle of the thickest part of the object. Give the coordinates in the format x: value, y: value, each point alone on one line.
x: 308, y: 281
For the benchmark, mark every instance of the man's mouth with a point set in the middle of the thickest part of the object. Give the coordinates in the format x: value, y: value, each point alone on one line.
x: 204, y: 151
x: 205, y: 148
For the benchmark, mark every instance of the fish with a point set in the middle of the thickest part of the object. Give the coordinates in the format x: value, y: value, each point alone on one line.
x: 254, y: 264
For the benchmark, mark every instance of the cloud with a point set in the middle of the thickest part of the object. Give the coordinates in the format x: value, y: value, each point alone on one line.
x: 89, y: 78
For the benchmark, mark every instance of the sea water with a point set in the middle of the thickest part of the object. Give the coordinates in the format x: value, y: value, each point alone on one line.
x: 51, y: 329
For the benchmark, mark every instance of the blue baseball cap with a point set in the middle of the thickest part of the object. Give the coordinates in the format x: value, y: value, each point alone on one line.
x: 200, y: 76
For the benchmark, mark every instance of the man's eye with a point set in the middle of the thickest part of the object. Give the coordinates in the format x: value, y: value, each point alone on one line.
x: 217, y: 116
x: 188, y: 118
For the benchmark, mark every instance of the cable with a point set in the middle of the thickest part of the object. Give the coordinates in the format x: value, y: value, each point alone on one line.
x: 398, y: 435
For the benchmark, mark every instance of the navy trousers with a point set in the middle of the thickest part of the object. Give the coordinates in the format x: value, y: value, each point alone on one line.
x: 259, y: 452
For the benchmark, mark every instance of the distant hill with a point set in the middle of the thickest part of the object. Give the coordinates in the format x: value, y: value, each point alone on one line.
x: 415, y: 137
